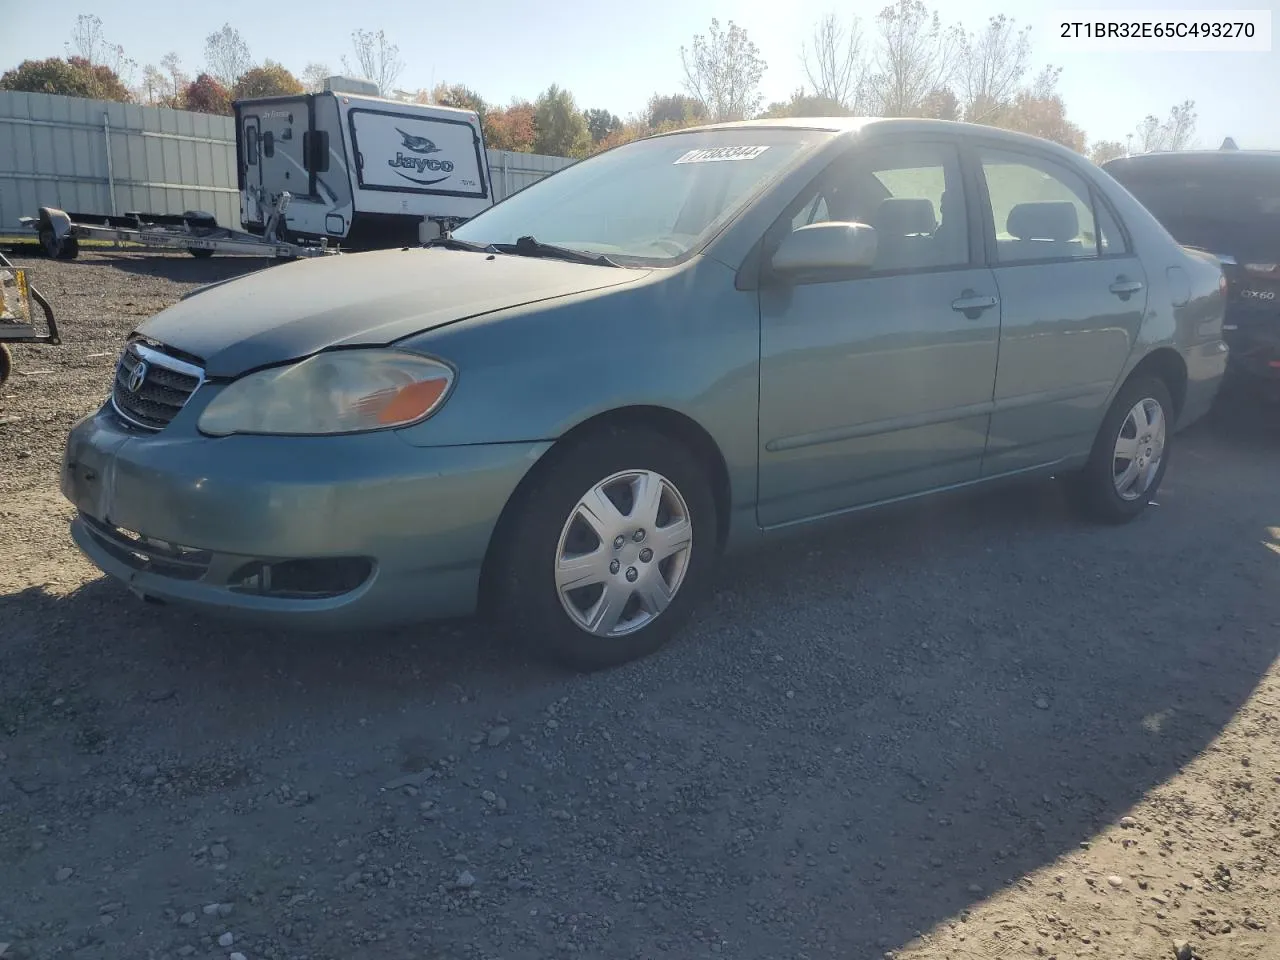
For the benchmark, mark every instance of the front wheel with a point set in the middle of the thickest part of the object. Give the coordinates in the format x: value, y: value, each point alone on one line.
x: 609, y: 549
x: 1130, y: 454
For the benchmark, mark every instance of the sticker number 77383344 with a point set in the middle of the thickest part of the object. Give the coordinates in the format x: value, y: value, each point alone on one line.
x: 715, y: 154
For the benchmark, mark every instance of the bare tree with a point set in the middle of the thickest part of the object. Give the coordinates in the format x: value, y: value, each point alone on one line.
x: 314, y: 75
x: 176, y: 78
x: 227, y: 55
x: 833, y: 61
x: 722, y: 70
x: 377, y: 59
x: 1176, y: 133
x: 916, y: 57
x: 88, y: 41
x: 992, y: 65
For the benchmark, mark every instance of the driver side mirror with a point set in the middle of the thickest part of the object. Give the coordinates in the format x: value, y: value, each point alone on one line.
x: 823, y: 247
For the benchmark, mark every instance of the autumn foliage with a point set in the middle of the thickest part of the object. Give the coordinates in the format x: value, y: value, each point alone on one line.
x: 207, y: 95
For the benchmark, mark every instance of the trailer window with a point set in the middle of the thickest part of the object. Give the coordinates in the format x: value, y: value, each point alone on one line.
x: 268, y: 144
x: 251, y: 145
x: 315, y: 151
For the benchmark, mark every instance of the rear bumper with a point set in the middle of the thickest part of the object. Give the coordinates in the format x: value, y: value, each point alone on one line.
x: 183, y: 517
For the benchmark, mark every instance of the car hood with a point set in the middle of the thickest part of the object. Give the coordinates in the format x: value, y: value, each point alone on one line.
x: 294, y: 310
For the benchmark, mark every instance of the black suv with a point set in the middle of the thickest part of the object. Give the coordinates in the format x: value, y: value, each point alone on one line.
x: 1226, y: 202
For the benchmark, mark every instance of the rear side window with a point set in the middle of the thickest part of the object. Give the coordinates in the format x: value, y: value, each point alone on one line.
x: 1041, y: 211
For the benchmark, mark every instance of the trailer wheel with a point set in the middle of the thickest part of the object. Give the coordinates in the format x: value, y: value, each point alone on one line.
x: 6, y: 363
x: 200, y: 253
x: 68, y: 248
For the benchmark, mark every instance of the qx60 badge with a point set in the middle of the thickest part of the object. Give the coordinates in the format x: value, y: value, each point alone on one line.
x: 421, y: 164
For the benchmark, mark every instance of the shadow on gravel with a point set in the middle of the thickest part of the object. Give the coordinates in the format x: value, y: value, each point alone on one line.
x: 182, y: 268
x: 862, y: 733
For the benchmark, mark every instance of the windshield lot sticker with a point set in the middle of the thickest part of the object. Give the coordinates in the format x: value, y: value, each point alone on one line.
x: 715, y: 154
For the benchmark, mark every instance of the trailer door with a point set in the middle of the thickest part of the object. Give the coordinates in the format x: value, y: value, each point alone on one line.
x: 284, y: 123
x: 250, y: 170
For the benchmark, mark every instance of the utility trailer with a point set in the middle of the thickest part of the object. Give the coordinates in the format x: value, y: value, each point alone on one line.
x: 364, y: 171
x: 17, y: 322
x: 197, y: 232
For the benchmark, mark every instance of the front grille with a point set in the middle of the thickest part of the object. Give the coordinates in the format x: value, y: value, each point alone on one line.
x: 155, y: 398
x: 147, y: 553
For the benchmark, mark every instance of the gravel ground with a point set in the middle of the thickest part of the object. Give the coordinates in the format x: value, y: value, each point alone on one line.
x: 976, y: 730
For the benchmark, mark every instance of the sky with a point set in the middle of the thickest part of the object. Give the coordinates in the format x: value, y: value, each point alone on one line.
x: 615, y: 56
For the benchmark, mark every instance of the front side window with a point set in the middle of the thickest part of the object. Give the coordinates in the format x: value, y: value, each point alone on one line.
x: 652, y: 200
x: 1041, y: 211
x: 912, y: 194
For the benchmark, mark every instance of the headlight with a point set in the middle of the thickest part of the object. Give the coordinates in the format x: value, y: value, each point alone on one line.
x: 341, y: 391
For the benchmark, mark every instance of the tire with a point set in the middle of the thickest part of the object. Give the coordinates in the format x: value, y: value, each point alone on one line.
x: 6, y: 364
x: 548, y: 525
x: 1100, y: 488
x: 200, y: 253
x: 70, y: 248
x: 49, y: 243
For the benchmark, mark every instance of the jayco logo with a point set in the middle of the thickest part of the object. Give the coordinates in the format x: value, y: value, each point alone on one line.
x: 420, y: 164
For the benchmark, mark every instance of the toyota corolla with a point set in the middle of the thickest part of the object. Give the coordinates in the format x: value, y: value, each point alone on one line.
x: 566, y: 410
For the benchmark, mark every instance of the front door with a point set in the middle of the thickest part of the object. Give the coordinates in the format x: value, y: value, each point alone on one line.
x: 1073, y: 295
x: 878, y: 385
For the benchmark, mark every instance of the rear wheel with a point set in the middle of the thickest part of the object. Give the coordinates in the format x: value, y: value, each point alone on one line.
x: 6, y: 364
x: 200, y: 253
x: 1130, y: 454
x: 609, y: 549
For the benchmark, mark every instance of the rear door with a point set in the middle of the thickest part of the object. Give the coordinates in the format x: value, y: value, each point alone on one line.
x: 1072, y: 293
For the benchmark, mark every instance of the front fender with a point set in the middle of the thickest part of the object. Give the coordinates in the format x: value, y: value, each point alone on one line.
x: 683, y: 339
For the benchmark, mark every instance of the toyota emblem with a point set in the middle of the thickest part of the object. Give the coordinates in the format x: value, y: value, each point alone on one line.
x: 137, y: 377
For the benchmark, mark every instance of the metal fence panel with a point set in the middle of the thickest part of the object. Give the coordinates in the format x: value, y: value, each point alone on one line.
x: 98, y: 157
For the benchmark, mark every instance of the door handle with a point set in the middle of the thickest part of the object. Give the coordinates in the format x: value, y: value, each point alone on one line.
x: 972, y: 305
x: 1125, y: 288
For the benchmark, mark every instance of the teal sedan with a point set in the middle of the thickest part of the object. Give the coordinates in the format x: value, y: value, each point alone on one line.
x: 568, y: 409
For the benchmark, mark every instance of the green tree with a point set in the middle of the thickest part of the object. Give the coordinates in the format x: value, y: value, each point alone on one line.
x: 1105, y: 150
x: 207, y: 95
x: 802, y: 104
x: 559, y: 129
x: 269, y: 80
x: 461, y: 97
x: 600, y: 123
x: 70, y: 77
x: 671, y: 111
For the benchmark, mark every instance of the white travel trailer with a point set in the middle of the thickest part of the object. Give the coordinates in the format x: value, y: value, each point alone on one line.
x: 361, y: 171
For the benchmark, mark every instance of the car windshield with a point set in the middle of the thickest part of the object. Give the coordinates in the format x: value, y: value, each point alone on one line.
x: 1229, y: 205
x: 649, y: 201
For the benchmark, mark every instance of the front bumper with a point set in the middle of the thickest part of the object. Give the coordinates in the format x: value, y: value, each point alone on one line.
x: 182, y: 517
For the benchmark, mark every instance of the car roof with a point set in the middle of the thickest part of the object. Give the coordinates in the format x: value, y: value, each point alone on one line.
x: 855, y: 125
x: 1200, y: 158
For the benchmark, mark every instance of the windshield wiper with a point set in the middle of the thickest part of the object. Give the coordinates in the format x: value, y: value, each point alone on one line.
x: 533, y: 247
x: 451, y: 243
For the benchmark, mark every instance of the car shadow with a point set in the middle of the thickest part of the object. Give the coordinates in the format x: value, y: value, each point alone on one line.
x: 861, y: 734
x: 183, y: 268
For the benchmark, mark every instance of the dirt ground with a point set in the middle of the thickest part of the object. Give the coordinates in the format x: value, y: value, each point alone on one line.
x: 975, y: 730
